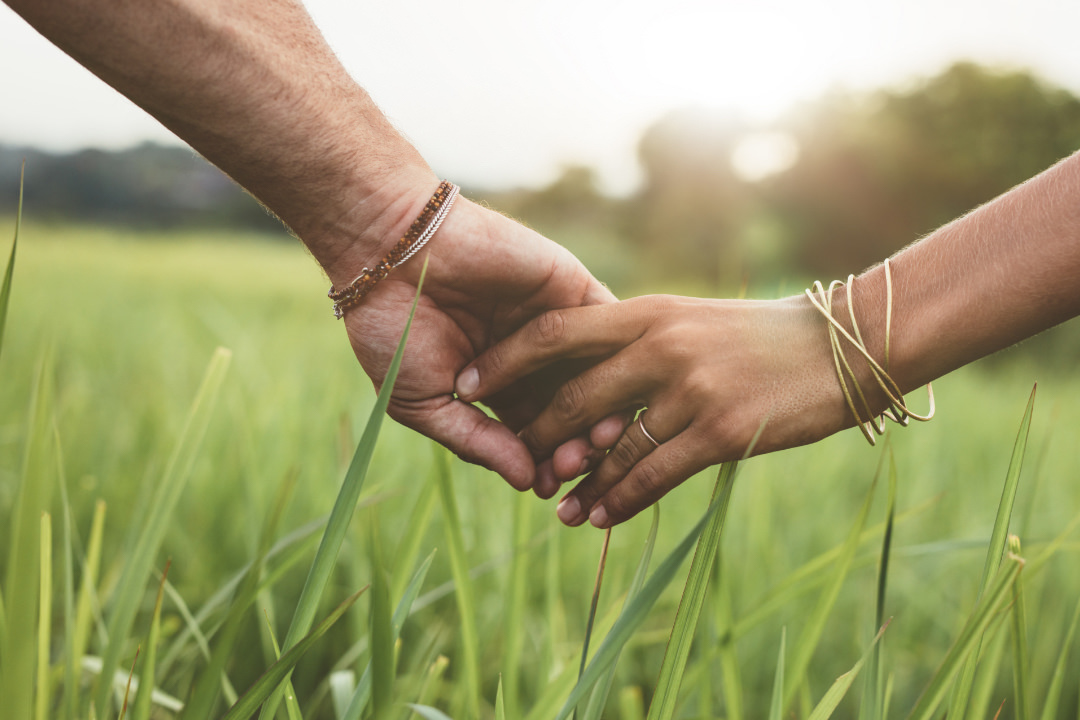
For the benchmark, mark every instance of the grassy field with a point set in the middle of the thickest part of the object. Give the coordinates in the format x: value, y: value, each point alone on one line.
x: 124, y: 327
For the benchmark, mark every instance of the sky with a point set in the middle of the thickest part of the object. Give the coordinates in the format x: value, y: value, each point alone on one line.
x: 501, y: 93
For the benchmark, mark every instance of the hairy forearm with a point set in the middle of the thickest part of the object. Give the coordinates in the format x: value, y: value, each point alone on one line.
x: 252, y: 85
x: 1002, y: 273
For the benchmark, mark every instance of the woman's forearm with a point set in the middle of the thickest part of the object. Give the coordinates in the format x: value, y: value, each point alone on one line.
x: 252, y: 85
x: 1004, y: 272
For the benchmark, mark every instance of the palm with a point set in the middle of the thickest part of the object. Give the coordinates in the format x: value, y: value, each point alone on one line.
x: 487, y: 276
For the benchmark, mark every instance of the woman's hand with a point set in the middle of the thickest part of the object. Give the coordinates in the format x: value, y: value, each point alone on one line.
x: 709, y: 372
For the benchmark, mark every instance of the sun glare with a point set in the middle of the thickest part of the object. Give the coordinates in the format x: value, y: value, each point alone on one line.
x: 761, y: 154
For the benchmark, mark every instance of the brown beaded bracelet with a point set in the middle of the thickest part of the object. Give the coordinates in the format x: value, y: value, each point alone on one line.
x: 420, y: 232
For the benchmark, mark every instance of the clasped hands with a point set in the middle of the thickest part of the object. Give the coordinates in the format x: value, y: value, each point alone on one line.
x: 512, y: 320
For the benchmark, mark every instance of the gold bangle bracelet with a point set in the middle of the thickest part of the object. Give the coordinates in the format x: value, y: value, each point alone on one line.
x: 898, y: 411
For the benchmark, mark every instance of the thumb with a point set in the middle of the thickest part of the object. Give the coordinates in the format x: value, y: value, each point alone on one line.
x: 474, y: 437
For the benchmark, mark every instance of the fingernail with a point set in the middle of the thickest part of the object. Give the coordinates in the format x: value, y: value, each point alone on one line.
x: 569, y: 511
x: 598, y: 517
x: 583, y: 468
x: 468, y: 381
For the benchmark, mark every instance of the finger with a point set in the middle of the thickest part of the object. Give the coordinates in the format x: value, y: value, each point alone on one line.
x: 546, y: 484
x: 606, y: 388
x: 555, y: 335
x: 632, y: 447
x: 597, y: 294
x: 573, y: 458
x: 651, y: 479
x: 605, y: 433
x: 471, y: 435
x: 579, y: 455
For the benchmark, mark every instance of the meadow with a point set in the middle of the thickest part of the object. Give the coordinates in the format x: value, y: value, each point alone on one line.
x: 107, y: 339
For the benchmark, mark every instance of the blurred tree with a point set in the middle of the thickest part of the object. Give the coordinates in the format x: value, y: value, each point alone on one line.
x: 876, y: 173
x: 688, y: 217
x: 574, y: 199
x: 145, y: 186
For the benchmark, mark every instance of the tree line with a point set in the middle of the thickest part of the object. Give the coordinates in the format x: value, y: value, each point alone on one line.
x: 875, y: 171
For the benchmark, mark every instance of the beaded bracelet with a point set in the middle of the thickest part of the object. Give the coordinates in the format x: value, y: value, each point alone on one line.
x: 420, y: 232
x: 897, y: 411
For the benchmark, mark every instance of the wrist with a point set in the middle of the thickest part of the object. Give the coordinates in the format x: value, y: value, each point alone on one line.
x: 372, y: 220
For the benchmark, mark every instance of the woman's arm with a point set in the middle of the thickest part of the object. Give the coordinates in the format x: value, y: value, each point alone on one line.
x: 712, y: 371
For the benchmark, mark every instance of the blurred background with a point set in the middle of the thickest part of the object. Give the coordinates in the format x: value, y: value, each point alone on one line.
x: 699, y: 147
x: 704, y: 148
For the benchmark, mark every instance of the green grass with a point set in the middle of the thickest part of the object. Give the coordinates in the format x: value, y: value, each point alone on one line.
x: 106, y: 341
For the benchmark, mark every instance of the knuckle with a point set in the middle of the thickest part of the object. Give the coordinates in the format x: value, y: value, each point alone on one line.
x: 494, y: 360
x: 551, y: 328
x: 531, y: 439
x: 569, y: 402
x: 701, y: 384
x: 650, y: 481
x: 624, y: 455
x: 620, y: 505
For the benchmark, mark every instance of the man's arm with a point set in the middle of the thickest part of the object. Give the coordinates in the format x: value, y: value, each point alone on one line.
x: 252, y: 85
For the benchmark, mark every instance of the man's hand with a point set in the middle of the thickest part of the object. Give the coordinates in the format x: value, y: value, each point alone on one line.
x: 487, y: 276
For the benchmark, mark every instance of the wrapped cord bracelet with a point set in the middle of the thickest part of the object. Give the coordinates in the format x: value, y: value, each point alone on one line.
x: 898, y: 411
x: 420, y: 232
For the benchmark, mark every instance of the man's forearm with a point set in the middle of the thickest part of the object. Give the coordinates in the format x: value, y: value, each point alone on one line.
x: 252, y: 85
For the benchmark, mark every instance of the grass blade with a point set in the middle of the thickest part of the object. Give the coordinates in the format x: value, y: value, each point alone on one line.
x: 634, y: 613
x: 342, y: 688
x: 551, y: 697
x: 429, y: 713
x: 962, y: 693
x: 381, y: 630
x: 344, y: 507
x: 598, y: 699
x: 776, y: 705
x: 293, y: 546
x: 84, y: 614
x: 207, y: 684
x: 982, y: 690
x: 246, y: 706
x: 500, y: 706
x: 842, y: 684
x: 141, y: 711
x: 69, y: 701
x: 409, y: 549
x: 809, y: 576
x: 815, y: 624
x: 595, y: 602
x: 41, y: 707
x: 5, y: 289
x: 1019, y: 642
x: 362, y: 694
x: 871, y: 707
x: 3, y: 621
x: 686, y: 619
x: 33, y: 493
x: 127, y: 687
x: 130, y: 589
x: 463, y: 590
x: 510, y: 680
x: 968, y: 641
x: 1053, y: 693
x: 554, y: 610
x: 729, y: 661
x: 292, y: 708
